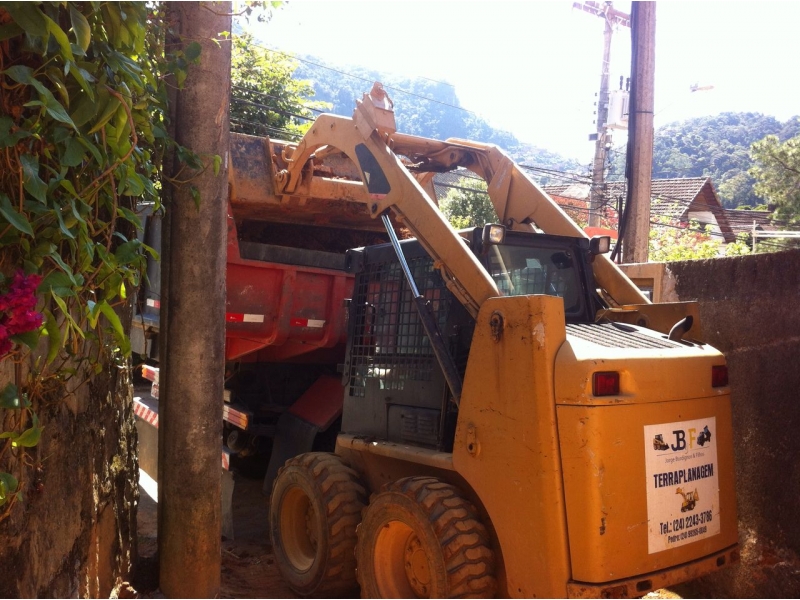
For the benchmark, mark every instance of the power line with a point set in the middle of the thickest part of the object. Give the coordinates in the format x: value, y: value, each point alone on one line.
x: 270, y: 108
x: 296, y: 136
x: 266, y: 95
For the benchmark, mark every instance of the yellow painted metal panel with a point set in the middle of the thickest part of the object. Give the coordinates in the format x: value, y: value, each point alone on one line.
x: 646, y: 375
x: 506, y: 444
x: 611, y: 526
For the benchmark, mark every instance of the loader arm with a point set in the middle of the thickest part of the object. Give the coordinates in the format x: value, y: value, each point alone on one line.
x: 389, y: 185
x: 370, y: 141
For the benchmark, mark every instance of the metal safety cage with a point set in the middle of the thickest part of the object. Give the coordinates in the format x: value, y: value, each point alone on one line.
x: 394, y: 386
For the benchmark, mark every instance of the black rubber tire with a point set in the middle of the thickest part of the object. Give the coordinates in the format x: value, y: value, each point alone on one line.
x: 420, y: 538
x: 315, y: 507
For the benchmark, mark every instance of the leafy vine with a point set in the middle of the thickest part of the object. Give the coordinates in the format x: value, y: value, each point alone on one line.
x: 82, y: 135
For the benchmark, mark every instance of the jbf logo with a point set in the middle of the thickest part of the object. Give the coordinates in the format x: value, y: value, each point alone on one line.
x: 683, y: 439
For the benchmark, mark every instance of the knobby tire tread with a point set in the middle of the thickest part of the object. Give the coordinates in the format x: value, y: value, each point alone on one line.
x: 343, y: 497
x: 469, y: 559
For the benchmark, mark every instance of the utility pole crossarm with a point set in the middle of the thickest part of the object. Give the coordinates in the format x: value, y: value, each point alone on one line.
x: 617, y: 17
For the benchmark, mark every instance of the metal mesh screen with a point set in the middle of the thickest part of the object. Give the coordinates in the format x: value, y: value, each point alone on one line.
x: 389, y: 343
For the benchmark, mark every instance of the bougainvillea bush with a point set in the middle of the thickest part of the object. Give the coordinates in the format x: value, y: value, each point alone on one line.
x: 18, y: 315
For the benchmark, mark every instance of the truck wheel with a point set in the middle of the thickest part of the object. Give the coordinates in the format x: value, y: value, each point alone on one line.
x: 315, y: 507
x: 420, y: 538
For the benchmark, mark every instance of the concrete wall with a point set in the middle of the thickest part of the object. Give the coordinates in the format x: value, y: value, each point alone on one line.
x: 750, y: 309
x: 74, y: 535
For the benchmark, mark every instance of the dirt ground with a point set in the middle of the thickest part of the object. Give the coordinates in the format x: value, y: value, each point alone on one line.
x: 249, y: 571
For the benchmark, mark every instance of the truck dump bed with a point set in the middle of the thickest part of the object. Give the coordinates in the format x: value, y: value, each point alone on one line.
x: 283, y: 302
x: 286, y: 285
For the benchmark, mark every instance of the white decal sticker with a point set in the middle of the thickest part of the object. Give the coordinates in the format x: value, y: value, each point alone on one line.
x: 682, y: 483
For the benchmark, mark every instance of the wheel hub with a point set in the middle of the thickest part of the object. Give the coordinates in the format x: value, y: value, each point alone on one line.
x: 417, y: 567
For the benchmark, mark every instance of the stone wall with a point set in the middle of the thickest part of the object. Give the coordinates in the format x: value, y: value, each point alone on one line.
x: 74, y: 533
x: 750, y: 309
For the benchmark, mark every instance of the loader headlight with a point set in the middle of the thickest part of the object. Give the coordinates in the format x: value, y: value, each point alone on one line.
x: 599, y: 244
x: 494, y: 234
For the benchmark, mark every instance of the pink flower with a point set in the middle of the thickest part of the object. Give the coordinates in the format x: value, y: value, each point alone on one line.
x: 17, y: 309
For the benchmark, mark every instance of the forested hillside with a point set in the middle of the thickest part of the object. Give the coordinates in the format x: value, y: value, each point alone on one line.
x: 713, y: 146
x: 422, y: 107
x: 717, y: 147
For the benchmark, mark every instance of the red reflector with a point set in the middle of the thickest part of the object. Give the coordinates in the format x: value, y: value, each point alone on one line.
x: 606, y: 383
x: 719, y: 376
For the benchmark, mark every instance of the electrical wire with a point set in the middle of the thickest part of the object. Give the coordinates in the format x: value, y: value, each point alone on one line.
x: 296, y: 136
x: 581, y: 209
x: 266, y: 95
x: 552, y: 172
x: 270, y: 108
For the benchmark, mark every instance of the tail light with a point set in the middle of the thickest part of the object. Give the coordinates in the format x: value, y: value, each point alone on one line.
x: 606, y: 383
x: 719, y: 376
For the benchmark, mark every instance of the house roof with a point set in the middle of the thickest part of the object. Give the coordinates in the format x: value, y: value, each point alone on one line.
x: 745, y: 220
x: 680, y: 199
x: 675, y: 199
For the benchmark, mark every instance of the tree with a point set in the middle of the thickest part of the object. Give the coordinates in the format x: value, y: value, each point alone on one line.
x: 777, y: 175
x: 467, y: 204
x: 672, y: 241
x: 715, y: 146
x: 266, y: 99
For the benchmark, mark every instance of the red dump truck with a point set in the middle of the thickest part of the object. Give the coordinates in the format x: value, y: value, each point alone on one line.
x: 285, y: 311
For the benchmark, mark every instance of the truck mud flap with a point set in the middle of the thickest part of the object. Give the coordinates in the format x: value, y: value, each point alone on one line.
x: 294, y: 436
x: 315, y: 411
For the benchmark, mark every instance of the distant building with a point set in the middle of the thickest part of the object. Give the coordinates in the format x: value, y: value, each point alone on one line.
x: 681, y: 200
x: 744, y: 221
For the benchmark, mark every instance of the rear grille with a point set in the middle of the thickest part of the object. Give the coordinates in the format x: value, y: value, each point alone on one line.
x: 612, y: 335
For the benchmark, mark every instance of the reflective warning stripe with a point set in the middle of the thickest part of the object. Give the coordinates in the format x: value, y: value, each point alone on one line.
x: 150, y: 373
x: 235, y: 417
x: 145, y: 413
x: 307, y: 323
x: 152, y: 303
x: 226, y: 459
x: 243, y: 318
x: 149, y: 415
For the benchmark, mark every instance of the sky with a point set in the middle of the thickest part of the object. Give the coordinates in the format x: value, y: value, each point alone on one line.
x: 533, y: 68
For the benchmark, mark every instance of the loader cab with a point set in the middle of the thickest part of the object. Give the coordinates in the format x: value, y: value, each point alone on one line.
x: 523, y: 263
x: 394, y: 387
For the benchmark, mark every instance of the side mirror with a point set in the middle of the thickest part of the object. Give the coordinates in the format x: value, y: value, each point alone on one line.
x: 599, y: 244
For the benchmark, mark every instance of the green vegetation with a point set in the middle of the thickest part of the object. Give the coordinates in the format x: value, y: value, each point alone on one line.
x: 717, y: 147
x: 467, y: 204
x: 266, y: 98
x: 429, y: 109
x: 688, y: 241
x: 777, y: 175
x: 82, y: 136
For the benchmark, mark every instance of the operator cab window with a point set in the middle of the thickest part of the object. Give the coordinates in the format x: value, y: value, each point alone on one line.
x: 528, y: 266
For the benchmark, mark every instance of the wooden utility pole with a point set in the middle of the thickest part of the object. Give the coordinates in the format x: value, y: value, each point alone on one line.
x: 612, y: 17
x: 190, y: 411
x: 643, y: 34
